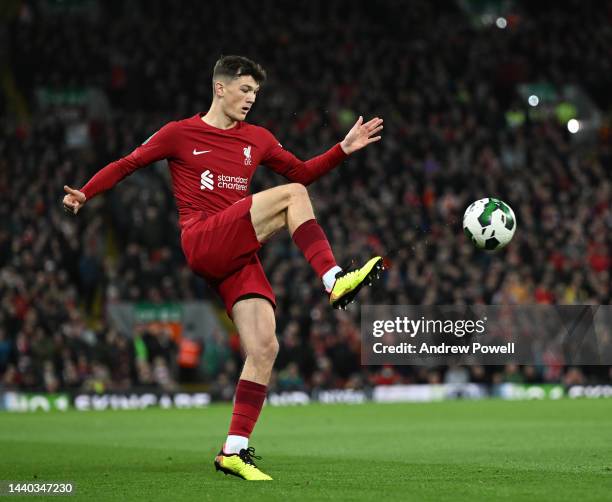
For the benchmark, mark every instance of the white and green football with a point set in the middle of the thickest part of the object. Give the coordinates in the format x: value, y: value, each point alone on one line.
x: 489, y: 223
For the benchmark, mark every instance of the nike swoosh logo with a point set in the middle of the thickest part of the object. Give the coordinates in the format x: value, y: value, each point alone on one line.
x: 195, y: 152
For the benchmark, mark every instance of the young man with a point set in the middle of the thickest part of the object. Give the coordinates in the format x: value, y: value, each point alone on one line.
x: 212, y: 158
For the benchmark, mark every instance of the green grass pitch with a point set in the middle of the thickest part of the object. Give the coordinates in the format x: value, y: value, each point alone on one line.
x: 460, y: 450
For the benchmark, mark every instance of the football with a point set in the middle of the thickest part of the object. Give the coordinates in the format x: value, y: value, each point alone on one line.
x: 489, y: 223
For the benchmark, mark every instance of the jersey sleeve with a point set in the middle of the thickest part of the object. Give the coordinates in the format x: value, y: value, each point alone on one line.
x: 160, y: 145
x: 305, y: 172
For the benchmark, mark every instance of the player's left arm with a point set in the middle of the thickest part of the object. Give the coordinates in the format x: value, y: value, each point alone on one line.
x: 305, y: 172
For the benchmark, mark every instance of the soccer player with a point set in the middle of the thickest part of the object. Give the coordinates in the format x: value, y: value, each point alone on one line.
x: 212, y: 158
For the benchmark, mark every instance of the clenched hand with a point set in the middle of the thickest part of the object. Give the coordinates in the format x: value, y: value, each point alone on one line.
x: 73, y: 200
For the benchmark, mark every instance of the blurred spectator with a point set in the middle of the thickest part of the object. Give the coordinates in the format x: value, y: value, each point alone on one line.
x: 215, y: 354
x: 456, y: 375
x: 5, y: 350
x: 161, y: 375
x: 99, y: 380
x: 223, y: 388
x: 289, y: 379
x: 512, y: 374
x: 574, y: 376
x: 189, y: 358
x: 385, y: 376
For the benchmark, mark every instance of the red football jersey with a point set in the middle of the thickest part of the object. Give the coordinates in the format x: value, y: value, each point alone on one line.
x: 212, y: 168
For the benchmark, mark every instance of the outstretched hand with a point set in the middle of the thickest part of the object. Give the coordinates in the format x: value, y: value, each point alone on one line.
x: 361, y: 135
x: 73, y: 200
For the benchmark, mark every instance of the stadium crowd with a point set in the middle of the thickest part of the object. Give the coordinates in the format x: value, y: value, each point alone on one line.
x: 444, y: 88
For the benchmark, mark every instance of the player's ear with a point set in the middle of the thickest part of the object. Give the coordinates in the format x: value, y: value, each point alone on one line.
x: 219, y: 89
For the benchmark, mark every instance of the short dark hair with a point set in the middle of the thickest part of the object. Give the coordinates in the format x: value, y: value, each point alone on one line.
x: 237, y: 66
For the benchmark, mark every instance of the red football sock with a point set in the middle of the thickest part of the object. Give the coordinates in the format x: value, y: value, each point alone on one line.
x: 313, y: 243
x: 249, y: 400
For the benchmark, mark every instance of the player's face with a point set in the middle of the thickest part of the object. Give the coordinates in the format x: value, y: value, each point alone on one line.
x: 239, y: 96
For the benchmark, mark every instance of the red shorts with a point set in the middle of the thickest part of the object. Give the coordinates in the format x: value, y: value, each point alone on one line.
x: 223, y: 249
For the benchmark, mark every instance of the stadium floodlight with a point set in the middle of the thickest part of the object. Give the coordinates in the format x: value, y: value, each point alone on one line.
x: 573, y: 126
x: 533, y: 100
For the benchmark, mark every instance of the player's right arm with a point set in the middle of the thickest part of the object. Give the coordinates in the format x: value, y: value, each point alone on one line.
x: 157, y: 147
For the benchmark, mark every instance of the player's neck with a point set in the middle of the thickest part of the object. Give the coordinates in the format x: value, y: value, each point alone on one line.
x: 216, y: 118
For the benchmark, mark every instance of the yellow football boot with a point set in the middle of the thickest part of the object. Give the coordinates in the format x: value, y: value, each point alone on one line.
x: 240, y: 465
x: 348, y: 284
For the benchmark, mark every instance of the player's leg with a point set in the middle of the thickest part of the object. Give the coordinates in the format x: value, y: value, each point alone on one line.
x: 279, y: 207
x: 256, y: 325
x: 289, y: 206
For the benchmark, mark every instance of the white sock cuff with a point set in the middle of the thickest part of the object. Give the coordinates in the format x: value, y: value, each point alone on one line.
x: 329, y: 277
x: 234, y: 444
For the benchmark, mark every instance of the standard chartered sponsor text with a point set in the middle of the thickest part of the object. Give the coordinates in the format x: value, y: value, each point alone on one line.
x: 232, y: 182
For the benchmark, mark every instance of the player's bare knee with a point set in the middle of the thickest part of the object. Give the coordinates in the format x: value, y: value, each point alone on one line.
x: 270, y: 350
x: 297, y: 193
x: 265, y: 353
